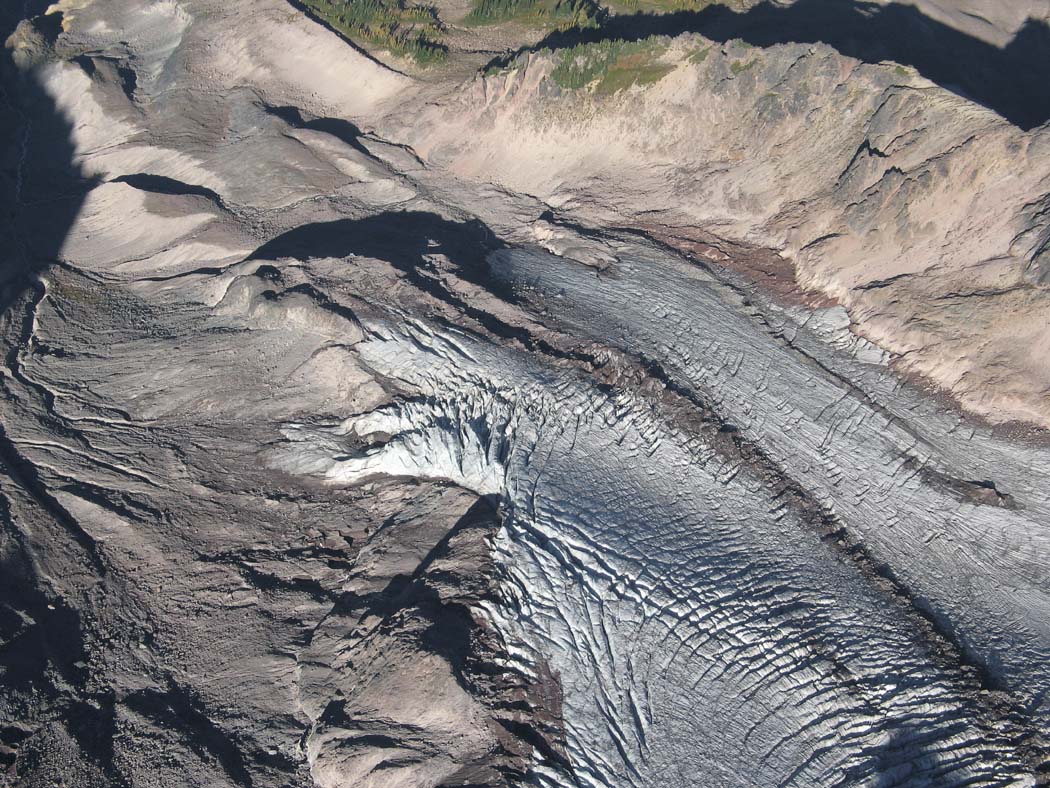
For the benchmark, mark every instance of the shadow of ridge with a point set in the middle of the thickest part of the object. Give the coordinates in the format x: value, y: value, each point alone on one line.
x: 42, y: 188
x: 343, y: 130
x: 401, y: 238
x: 407, y: 240
x: 43, y: 642
x: 159, y: 184
x: 1014, y: 81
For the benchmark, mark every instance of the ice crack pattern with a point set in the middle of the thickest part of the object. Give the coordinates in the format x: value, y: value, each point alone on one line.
x: 667, y: 590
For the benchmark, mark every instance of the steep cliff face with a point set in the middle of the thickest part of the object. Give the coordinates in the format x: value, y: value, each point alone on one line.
x: 546, y: 428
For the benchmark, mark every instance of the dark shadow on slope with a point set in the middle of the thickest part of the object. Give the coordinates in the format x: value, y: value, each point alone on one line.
x: 41, y: 187
x: 410, y: 241
x: 402, y: 238
x: 43, y: 655
x: 158, y: 184
x: 342, y: 130
x: 1013, y: 81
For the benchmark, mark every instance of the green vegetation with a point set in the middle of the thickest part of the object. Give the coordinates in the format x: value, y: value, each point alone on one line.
x: 557, y: 14
x: 610, y: 66
x: 699, y: 56
x: 408, y: 30
x: 739, y: 67
x: 669, y: 6
x: 902, y: 71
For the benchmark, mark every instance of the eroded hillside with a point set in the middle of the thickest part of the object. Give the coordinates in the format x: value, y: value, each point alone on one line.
x: 524, y: 394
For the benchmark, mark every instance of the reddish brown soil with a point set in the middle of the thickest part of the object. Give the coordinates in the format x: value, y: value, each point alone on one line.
x: 764, y: 268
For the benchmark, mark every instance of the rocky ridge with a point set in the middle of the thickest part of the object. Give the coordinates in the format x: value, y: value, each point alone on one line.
x: 361, y: 429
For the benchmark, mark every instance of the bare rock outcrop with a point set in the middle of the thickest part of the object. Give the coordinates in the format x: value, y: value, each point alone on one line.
x: 547, y: 429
